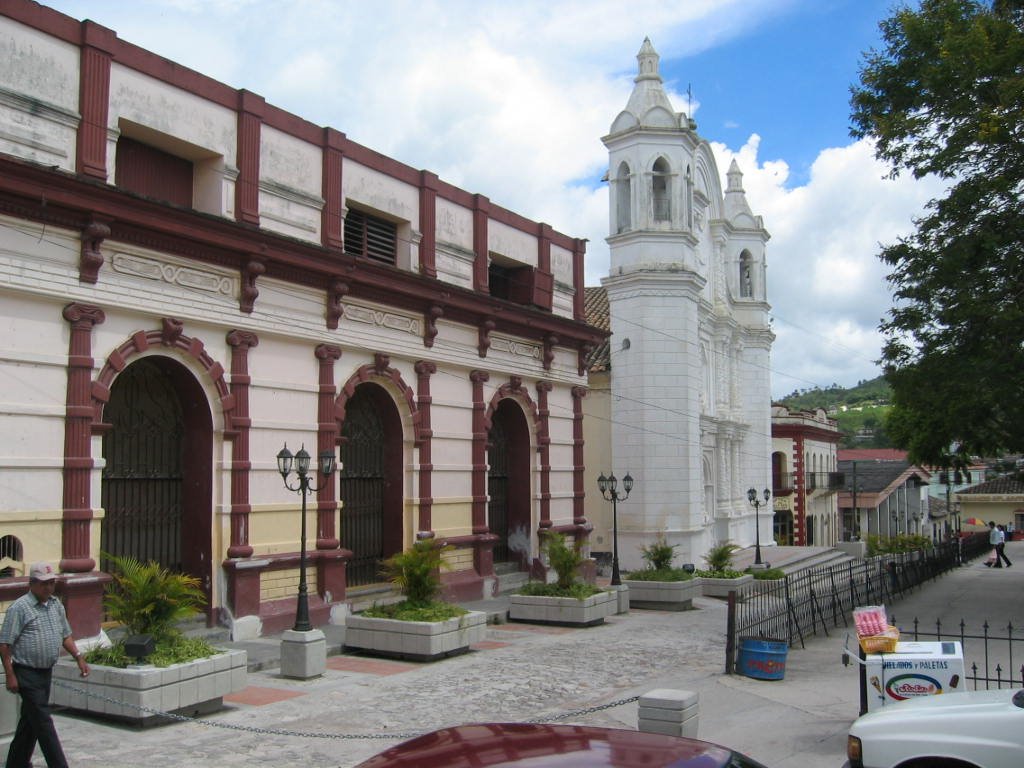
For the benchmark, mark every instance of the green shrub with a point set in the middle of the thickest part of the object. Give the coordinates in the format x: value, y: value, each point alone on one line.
x: 662, y: 574
x: 719, y: 558
x: 723, y: 573
x: 149, y: 599
x: 407, y: 611
x: 416, y: 572
x: 902, y: 542
x: 579, y: 590
x: 659, y: 554
x: 174, y: 648
x: 565, y: 560
x: 766, y: 574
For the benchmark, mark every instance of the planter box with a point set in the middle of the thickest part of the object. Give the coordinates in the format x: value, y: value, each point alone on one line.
x: 663, y: 595
x: 722, y: 587
x: 415, y: 640
x: 139, y: 694
x: 563, y: 611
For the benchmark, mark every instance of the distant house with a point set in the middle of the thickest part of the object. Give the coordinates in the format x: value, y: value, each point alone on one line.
x: 805, y: 480
x: 884, y: 496
x: 1000, y: 500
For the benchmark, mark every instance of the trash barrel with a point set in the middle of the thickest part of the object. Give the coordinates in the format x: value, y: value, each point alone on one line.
x: 763, y: 658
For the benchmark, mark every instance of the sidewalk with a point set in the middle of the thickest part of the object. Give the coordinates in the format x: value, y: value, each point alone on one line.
x: 524, y: 671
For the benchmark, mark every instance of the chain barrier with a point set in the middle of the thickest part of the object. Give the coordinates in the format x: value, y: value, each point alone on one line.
x: 310, y: 734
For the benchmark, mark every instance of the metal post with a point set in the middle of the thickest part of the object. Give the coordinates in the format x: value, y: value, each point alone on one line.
x: 616, y: 581
x: 302, y: 609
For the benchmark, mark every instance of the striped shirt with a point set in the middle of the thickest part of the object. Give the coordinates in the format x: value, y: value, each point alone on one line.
x: 35, y: 631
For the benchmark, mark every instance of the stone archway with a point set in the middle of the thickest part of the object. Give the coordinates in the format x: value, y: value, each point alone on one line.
x: 156, y: 486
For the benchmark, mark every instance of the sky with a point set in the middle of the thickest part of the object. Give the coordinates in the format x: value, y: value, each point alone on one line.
x: 510, y: 100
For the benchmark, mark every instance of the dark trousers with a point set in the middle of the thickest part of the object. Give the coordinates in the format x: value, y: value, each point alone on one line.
x: 35, y: 723
x: 1001, y: 556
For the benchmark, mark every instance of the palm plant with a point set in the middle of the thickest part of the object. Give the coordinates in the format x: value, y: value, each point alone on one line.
x: 416, y: 571
x: 149, y: 599
x: 719, y: 558
x: 659, y: 554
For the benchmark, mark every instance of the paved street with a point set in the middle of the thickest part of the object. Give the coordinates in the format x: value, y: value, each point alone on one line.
x: 523, y: 672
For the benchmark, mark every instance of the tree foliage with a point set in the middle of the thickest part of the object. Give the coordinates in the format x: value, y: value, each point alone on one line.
x: 945, y: 97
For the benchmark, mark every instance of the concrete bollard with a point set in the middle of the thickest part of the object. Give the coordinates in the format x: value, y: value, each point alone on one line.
x: 670, y: 712
x: 621, y: 598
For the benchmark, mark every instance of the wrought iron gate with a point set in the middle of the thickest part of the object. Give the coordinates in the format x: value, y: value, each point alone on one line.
x: 497, y: 488
x: 142, y: 480
x: 362, y: 490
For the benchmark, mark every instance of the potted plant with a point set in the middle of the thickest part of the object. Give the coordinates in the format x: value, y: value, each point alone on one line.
x: 153, y: 667
x: 660, y: 586
x: 421, y: 627
x: 720, y: 578
x: 566, y: 601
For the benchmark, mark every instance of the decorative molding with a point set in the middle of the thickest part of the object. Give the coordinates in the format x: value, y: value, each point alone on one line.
x: 514, y: 347
x: 430, y: 319
x: 484, y: 336
x: 550, y: 340
x: 335, y: 309
x: 23, y: 104
x: 93, y: 235
x: 175, y: 274
x: 291, y: 194
x: 383, y: 319
x: 249, y: 293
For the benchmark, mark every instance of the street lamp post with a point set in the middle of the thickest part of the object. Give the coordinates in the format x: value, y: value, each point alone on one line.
x: 609, y: 487
x: 755, y: 502
x: 300, y: 461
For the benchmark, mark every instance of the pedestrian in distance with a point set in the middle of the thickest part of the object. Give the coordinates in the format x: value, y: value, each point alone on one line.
x: 35, y: 628
x: 1001, y: 548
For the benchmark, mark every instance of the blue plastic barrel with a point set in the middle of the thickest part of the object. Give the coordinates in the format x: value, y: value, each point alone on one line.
x: 763, y: 658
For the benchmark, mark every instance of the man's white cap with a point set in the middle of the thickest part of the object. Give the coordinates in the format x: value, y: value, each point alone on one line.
x: 42, y: 572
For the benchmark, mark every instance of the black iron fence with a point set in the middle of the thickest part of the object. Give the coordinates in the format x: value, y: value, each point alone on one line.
x: 816, y: 600
x: 995, y: 654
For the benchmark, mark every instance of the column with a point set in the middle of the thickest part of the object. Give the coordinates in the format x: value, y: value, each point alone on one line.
x: 578, y: 467
x: 240, y: 342
x: 424, y: 437
x: 78, y: 421
x: 544, y: 445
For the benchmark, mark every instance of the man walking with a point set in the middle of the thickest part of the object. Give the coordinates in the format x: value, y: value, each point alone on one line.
x: 34, y: 630
x: 1001, y: 548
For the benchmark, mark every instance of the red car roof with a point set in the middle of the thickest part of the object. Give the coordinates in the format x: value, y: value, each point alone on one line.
x: 490, y: 745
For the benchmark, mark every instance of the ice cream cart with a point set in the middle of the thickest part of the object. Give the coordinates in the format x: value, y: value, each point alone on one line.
x: 913, y: 669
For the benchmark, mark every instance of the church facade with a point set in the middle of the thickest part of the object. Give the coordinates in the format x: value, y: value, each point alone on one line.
x: 192, y: 278
x: 680, y: 396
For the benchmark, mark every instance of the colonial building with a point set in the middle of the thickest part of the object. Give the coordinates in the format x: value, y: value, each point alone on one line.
x: 884, y: 498
x: 805, y: 482
x: 1000, y: 500
x: 686, y: 407
x: 190, y: 278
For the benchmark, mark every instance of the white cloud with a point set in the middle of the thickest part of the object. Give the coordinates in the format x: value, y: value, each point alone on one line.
x: 826, y: 285
x: 510, y: 100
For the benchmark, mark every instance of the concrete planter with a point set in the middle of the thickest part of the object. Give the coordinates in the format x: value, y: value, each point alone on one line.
x: 415, y: 640
x: 193, y: 688
x: 563, y: 611
x: 712, y: 587
x: 663, y: 595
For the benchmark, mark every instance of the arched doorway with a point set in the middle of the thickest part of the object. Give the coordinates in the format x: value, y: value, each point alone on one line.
x: 370, y: 485
x: 157, y: 479
x: 508, y: 484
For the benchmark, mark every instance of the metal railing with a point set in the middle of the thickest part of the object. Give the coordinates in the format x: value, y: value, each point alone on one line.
x: 817, y: 599
x: 995, y: 652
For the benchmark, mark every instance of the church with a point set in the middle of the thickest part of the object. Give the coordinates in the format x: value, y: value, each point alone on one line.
x: 679, y: 397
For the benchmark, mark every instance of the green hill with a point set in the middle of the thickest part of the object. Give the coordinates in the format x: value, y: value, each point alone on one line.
x: 860, y: 411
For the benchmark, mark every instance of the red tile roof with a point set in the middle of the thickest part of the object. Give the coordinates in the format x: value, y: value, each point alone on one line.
x: 595, y: 310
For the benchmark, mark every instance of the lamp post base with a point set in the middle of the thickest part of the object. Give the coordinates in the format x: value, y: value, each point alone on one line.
x: 303, y: 654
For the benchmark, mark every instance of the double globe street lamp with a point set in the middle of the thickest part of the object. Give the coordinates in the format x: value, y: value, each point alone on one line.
x: 609, y: 487
x: 755, y: 502
x: 286, y: 462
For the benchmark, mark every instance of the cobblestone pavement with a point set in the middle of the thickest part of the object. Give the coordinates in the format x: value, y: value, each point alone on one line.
x: 520, y: 672
x: 523, y: 672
